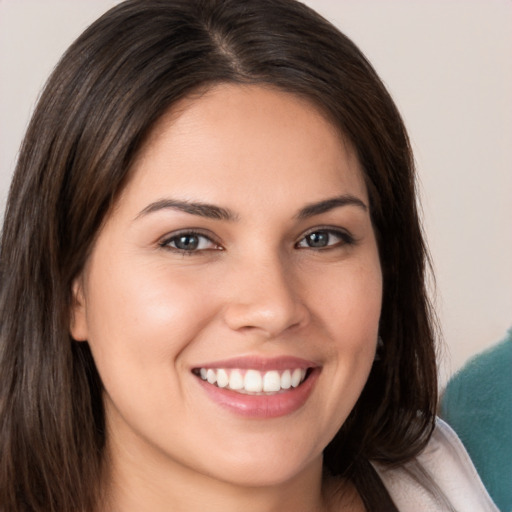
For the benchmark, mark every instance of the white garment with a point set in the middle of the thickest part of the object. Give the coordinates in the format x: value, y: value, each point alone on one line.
x: 449, y: 466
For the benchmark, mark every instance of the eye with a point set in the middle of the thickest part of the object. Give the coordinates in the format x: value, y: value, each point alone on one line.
x: 189, y: 242
x: 324, y: 238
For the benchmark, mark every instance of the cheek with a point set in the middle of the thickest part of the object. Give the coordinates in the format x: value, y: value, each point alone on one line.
x: 348, y: 298
x: 140, y: 327
x: 350, y: 312
x: 139, y: 318
x: 362, y: 304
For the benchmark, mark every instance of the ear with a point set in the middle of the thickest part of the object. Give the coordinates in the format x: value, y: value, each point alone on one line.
x: 78, y: 314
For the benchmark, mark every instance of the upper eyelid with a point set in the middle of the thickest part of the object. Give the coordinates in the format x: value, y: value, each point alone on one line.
x: 212, y: 237
x: 188, y: 231
x: 338, y: 231
x: 330, y: 229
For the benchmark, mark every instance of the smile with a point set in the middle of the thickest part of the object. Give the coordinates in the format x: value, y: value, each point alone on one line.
x: 252, y: 381
x: 258, y: 388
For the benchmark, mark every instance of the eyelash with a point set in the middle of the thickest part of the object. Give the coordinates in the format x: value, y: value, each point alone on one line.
x: 345, y: 239
x: 190, y: 233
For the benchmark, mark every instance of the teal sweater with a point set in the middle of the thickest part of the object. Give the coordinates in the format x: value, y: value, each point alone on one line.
x: 477, y: 404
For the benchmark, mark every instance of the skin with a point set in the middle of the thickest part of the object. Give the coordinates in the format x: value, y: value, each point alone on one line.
x: 254, y: 287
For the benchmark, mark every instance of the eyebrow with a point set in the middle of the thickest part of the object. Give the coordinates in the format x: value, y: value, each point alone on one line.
x: 329, y: 204
x: 209, y: 211
x: 212, y: 211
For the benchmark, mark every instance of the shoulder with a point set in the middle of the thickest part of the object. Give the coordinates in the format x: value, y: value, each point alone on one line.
x: 486, y: 376
x: 477, y: 404
x: 442, y: 477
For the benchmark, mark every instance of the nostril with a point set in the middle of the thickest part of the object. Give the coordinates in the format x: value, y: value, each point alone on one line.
x: 271, y: 316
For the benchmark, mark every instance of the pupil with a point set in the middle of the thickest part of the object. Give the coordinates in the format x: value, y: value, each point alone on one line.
x: 187, y: 242
x: 318, y: 239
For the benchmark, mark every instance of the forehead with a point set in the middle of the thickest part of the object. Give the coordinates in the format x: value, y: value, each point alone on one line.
x: 230, y: 137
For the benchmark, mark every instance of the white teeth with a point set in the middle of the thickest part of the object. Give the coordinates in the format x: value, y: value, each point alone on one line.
x: 211, y: 376
x: 236, y: 380
x: 296, y: 377
x: 222, y: 378
x: 271, y: 381
x: 253, y: 381
x: 286, y: 380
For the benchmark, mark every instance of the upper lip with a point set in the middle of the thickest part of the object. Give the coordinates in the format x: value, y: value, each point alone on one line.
x: 260, y: 363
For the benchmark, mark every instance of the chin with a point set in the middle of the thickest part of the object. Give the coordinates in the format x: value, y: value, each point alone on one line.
x: 266, y: 474
x: 273, y: 465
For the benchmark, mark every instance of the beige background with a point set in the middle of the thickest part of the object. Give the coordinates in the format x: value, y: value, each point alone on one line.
x: 447, y: 64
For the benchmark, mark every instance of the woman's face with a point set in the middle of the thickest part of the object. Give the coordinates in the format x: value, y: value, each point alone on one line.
x: 232, y: 298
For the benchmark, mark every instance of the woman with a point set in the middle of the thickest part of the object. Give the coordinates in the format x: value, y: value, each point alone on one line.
x: 213, y: 276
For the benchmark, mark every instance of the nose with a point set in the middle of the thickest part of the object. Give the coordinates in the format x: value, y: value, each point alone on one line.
x: 265, y: 296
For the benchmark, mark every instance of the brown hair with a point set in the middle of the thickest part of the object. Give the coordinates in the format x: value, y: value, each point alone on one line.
x: 97, y: 108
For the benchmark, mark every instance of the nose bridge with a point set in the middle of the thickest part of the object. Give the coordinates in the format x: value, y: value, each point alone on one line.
x: 264, y: 295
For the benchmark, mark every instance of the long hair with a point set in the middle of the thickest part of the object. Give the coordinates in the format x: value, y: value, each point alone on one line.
x: 97, y: 109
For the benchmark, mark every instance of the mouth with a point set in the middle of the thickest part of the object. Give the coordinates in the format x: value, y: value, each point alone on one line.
x: 259, y: 388
x: 251, y: 381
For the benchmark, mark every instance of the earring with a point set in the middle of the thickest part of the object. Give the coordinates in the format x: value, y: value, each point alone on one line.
x: 380, y: 348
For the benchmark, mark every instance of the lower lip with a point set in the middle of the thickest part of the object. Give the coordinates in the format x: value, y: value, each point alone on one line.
x: 262, y: 406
